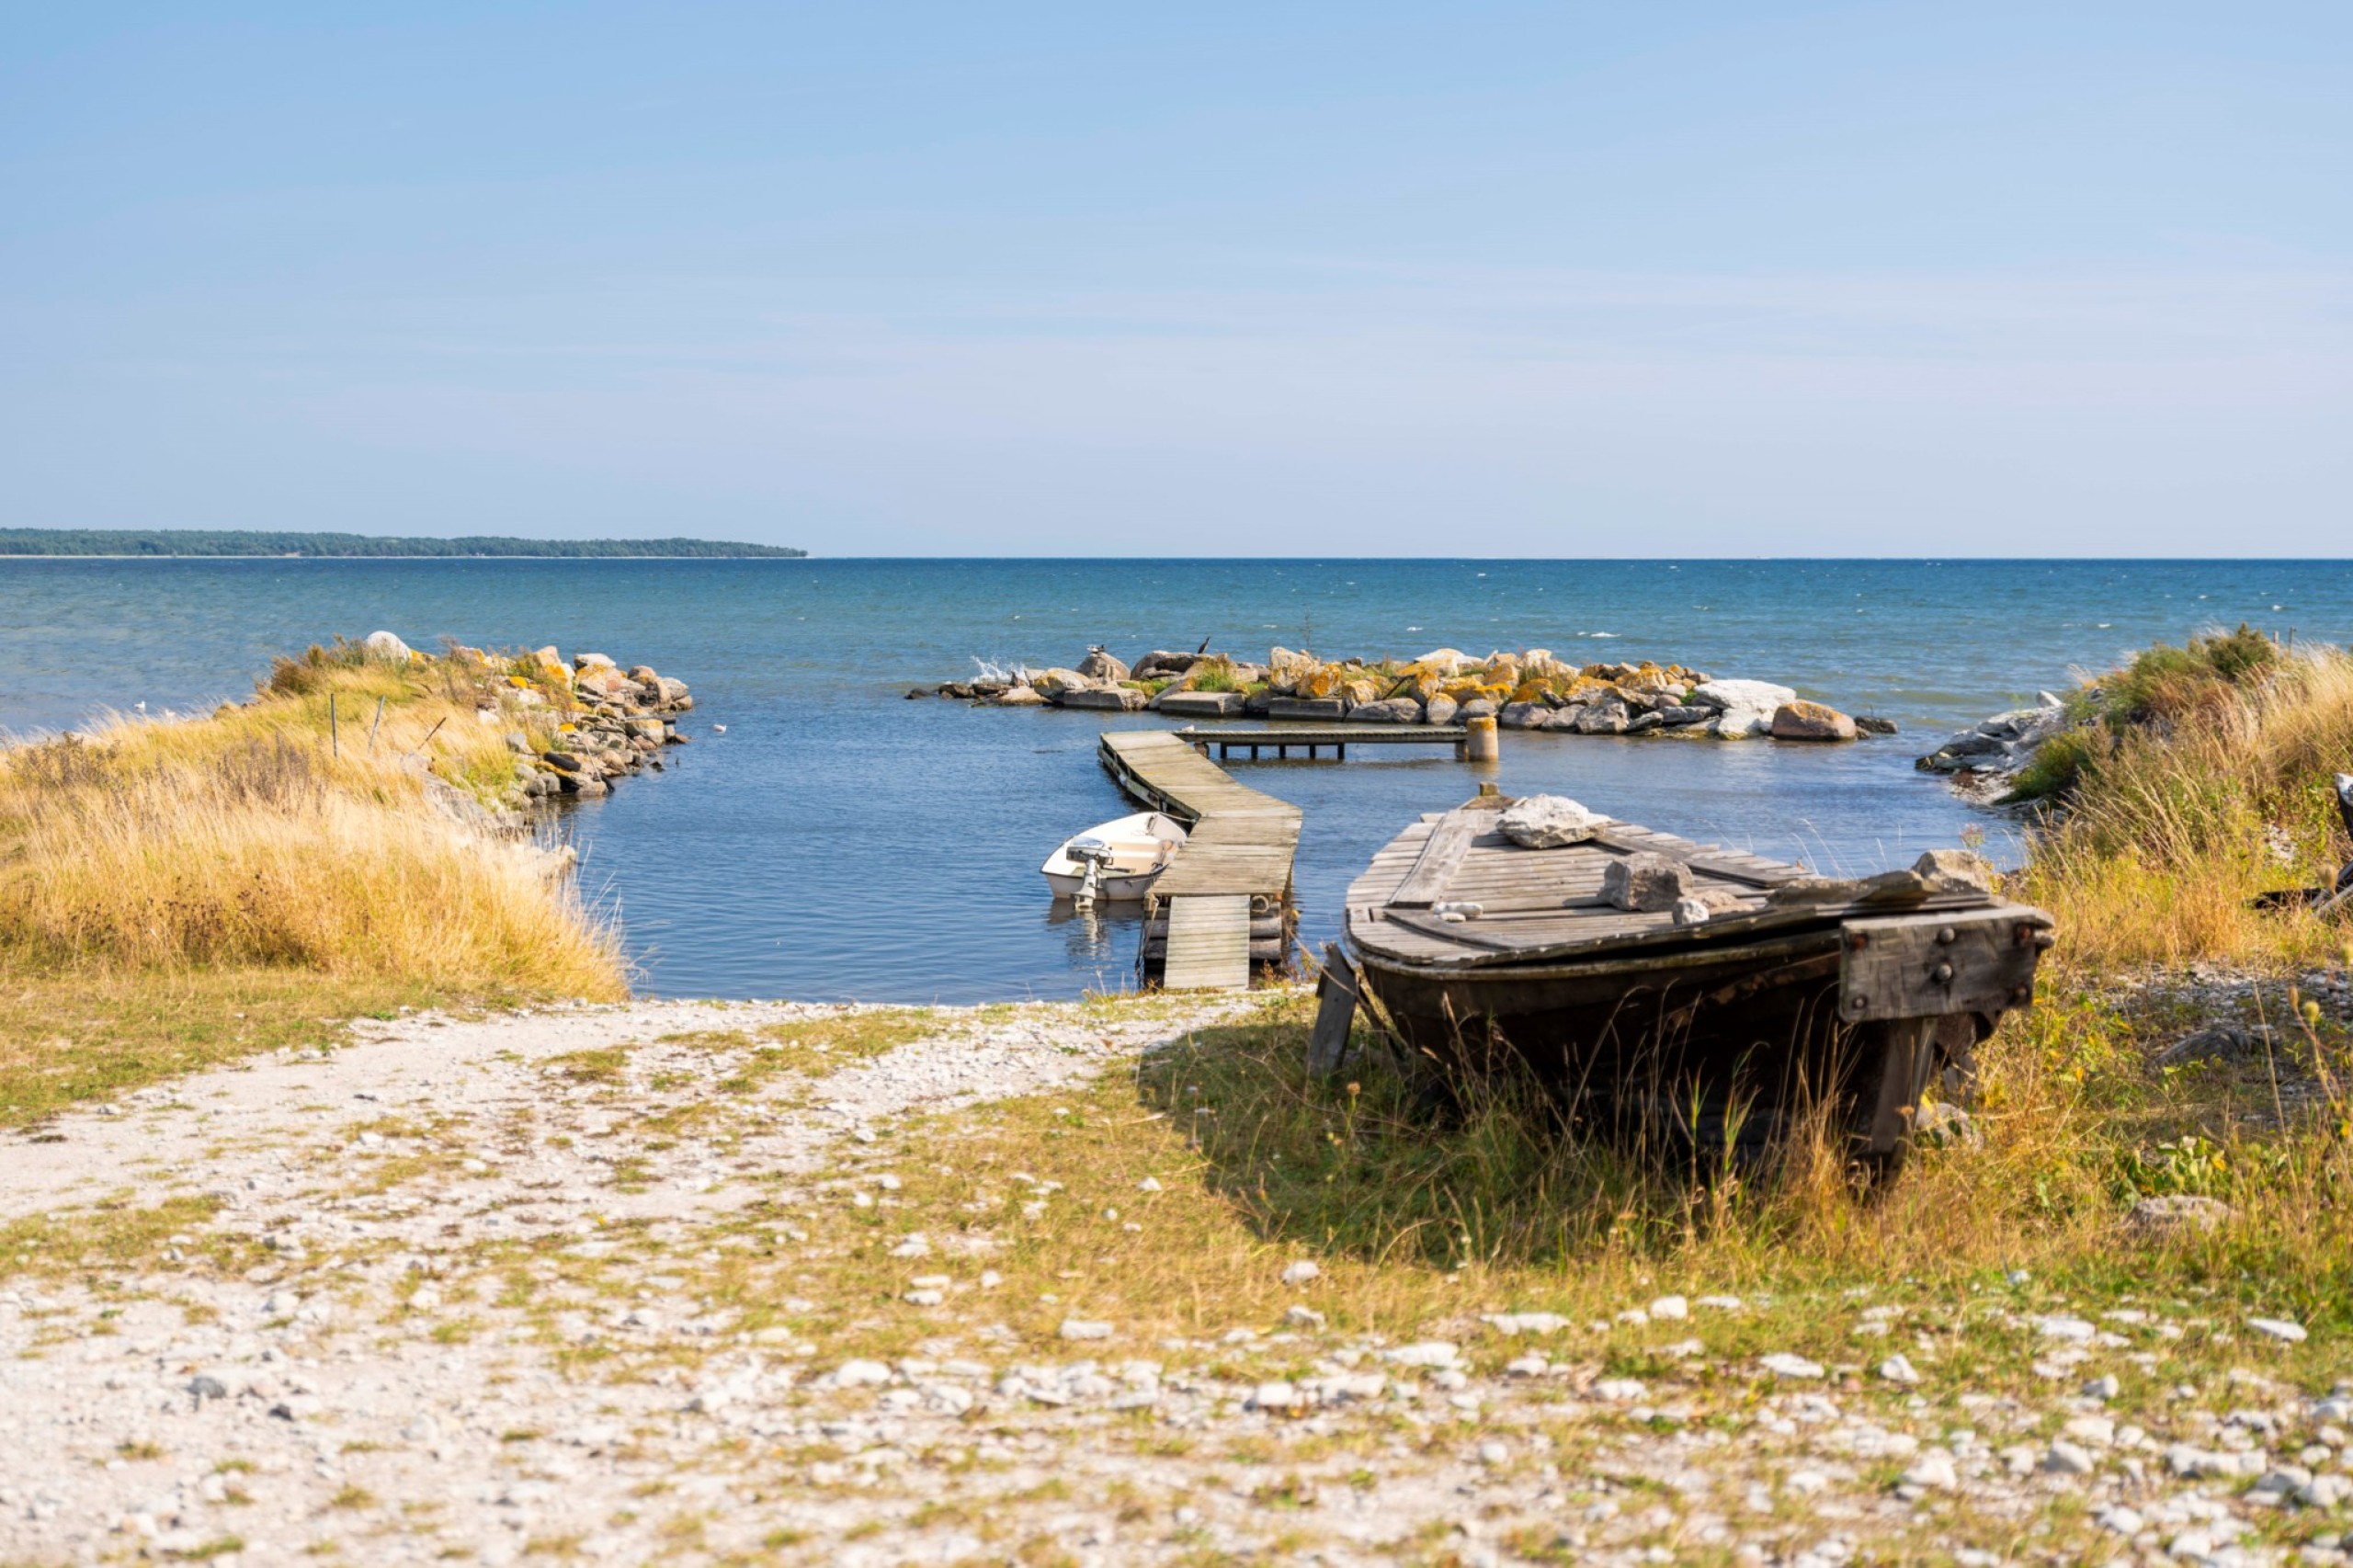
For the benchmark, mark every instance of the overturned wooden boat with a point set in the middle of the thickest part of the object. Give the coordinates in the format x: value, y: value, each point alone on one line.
x: 1736, y: 992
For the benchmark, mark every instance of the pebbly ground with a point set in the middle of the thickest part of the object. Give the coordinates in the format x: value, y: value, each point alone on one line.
x: 443, y: 1293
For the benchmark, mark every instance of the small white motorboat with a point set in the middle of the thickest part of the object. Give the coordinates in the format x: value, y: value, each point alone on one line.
x: 1114, y: 860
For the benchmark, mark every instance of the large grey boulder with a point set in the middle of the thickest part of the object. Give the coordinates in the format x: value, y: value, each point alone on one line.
x: 1743, y: 708
x: 1161, y: 662
x: 1477, y: 708
x: 1524, y: 716
x: 1388, y: 710
x: 1607, y: 715
x: 1325, y: 708
x: 1109, y: 699
x: 1099, y: 665
x: 386, y: 646
x: 1548, y: 822
x: 1439, y: 710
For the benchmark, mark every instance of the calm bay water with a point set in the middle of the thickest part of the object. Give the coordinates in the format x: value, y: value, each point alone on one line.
x: 839, y: 841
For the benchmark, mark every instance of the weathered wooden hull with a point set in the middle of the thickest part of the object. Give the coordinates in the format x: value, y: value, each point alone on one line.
x: 1796, y: 995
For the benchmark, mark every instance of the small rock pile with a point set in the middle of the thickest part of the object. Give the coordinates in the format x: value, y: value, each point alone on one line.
x: 1990, y: 754
x: 609, y: 722
x: 621, y: 722
x: 1529, y: 690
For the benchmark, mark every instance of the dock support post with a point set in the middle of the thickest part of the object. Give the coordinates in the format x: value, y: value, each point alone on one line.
x: 1480, y: 742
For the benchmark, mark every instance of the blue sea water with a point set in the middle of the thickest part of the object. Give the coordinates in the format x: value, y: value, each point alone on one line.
x: 841, y: 841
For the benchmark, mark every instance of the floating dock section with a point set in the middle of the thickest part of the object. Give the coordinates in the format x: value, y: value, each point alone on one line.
x: 1225, y: 902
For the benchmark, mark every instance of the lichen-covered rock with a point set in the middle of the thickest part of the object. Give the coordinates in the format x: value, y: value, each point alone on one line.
x: 1439, y: 710
x: 1444, y: 662
x: 1548, y: 821
x: 1646, y: 883
x: 1054, y: 683
x: 1476, y: 707
x: 1803, y: 721
x: 1360, y: 691
x: 1020, y: 697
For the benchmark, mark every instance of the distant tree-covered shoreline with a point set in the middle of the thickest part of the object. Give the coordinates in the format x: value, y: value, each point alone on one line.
x: 242, y: 542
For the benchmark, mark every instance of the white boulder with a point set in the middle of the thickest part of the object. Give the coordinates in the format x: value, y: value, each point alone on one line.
x: 1743, y: 708
x: 1548, y: 822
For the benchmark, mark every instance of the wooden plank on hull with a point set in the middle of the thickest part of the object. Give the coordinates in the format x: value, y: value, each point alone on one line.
x: 1448, y: 841
x: 1209, y: 944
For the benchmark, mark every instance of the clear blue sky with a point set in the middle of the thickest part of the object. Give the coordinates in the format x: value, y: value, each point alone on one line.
x: 1562, y: 280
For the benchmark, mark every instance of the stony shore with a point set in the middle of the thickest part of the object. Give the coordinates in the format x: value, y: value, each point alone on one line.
x: 562, y: 1285
x: 1528, y: 690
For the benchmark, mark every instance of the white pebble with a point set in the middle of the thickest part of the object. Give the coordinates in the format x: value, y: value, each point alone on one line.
x: 1783, y: 1364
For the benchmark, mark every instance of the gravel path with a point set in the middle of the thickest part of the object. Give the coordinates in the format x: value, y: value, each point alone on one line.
x: 427, y: 1296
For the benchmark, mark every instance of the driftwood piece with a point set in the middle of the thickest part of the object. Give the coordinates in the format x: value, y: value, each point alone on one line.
x: 1337, y: 993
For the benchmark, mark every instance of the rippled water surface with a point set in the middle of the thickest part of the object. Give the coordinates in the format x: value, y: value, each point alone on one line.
x: 839, y: 841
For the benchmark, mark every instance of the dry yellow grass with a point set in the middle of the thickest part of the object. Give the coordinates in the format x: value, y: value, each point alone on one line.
x: 2178, y: 823
x: 260, y: 843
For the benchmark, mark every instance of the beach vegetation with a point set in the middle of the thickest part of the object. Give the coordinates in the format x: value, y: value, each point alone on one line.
x: 298, y: 858
x: 2204, y: 784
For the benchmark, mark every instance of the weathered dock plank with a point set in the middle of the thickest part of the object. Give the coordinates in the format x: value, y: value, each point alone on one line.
x: 1209, y: 944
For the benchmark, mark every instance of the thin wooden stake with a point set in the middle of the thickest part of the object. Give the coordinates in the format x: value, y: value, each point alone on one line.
x: 372, y: 728
x: 335, y: 736
x: 428, y: 735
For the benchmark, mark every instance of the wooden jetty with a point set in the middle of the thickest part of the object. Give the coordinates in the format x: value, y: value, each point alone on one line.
x: 1281, y: 738
x: 1225, y: 902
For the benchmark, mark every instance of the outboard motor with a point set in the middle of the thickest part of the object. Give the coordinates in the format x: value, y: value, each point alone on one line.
x: 1095, y: 855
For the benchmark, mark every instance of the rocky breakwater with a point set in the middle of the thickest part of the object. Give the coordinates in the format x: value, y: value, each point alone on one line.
x: 574, y: 728
x: 1528, y: 690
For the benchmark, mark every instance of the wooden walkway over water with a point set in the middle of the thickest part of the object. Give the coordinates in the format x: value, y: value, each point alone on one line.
x: 1281, y: 738
x: 1225, y: 902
